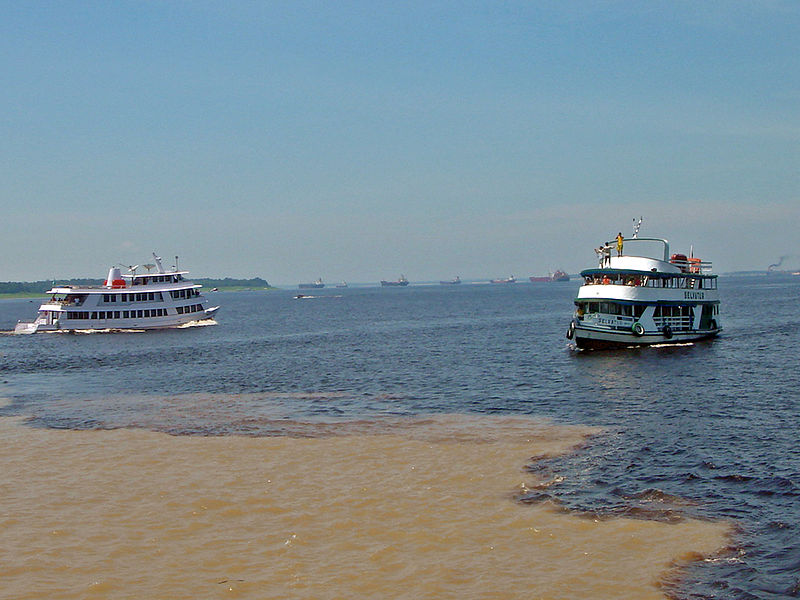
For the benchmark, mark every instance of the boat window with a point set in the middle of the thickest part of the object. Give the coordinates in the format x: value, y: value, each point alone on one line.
x: 638, y: 310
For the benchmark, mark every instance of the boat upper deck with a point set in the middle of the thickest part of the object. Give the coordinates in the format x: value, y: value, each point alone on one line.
x: 75, y: 290
x: 636, y: 260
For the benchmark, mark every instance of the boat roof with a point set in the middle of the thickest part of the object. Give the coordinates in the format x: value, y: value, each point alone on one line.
x: 128, y: 289
x: 639, y: 273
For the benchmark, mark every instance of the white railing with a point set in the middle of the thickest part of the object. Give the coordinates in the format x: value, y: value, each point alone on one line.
x: 674, y: 323
x: 692, y: 265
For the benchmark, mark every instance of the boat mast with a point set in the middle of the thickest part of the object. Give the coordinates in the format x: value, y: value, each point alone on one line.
x: 636, y: 227
x: 158, y: 262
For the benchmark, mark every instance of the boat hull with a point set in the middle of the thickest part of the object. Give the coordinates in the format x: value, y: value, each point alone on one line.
x: 169, y: 322
x: 597, y: 339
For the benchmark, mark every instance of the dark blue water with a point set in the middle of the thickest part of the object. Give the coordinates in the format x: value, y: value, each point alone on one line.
x: 705, y: 430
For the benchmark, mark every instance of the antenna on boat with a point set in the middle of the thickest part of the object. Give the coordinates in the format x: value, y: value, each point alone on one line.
x: 176, y: 263
x: 158, y: 262
x: 636, y: 226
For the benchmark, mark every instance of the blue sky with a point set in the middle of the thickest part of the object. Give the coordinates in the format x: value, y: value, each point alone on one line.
x: 360, y: 140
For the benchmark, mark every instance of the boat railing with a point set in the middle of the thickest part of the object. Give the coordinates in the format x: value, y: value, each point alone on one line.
x: 692, y: 265
x: 66, y: 302
x: 676, y: 323
x: 679, y: 281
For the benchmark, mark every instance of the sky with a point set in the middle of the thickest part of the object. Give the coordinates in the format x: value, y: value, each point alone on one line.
x: 357, y: 141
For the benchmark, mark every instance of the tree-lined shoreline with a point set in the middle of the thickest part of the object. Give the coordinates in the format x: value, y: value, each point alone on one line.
x: 24, y: 289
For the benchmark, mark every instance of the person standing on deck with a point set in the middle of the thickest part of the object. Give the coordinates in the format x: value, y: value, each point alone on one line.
x: 619, y: 243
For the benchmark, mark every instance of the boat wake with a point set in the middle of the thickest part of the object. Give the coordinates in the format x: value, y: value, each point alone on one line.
x: 203, y: 323
x: 191, y: 324
x: 92, y: 331
x: 309, y: 297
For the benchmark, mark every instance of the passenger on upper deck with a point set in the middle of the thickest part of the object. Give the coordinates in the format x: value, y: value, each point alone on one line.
x: 619, y: 243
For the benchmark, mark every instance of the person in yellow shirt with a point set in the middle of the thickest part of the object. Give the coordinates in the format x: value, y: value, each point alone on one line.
x: 619, y: 243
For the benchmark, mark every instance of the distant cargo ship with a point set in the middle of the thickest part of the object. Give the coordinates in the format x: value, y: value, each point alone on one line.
x: 400, y: 282
x: 455, y: 281
x: 311, y: 286
x: 558, y: 275
x: 511, y: 279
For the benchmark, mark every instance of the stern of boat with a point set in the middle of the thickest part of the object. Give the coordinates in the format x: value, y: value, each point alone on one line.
x: 26, y: 327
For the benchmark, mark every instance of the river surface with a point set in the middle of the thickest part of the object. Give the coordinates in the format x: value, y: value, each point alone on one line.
x: 429, y: 441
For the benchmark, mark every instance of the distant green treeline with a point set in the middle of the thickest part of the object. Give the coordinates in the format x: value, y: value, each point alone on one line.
x: 40, y: 287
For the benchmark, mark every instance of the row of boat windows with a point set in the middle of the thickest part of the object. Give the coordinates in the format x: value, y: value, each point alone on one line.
x: 141, y: 297
x: 636, y: 310
x: 611, y: 308
x: 692, y: 283
x: 150, y: 296
x: 157, y: 279
x: 130, y: 314
x: 117, y: 314
x: 189, y: 309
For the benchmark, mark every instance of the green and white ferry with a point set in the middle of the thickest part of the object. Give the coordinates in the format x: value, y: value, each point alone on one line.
x: 640, y: 299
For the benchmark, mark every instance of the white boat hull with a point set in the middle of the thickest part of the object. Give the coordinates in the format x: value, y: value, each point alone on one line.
x: 169, y: 322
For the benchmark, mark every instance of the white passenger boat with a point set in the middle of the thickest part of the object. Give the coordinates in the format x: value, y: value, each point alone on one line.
x: 639, y: 299
x: 158, y: 300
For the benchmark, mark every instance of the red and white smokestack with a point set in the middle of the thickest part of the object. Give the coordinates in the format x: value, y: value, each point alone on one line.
x: 115, y: 279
